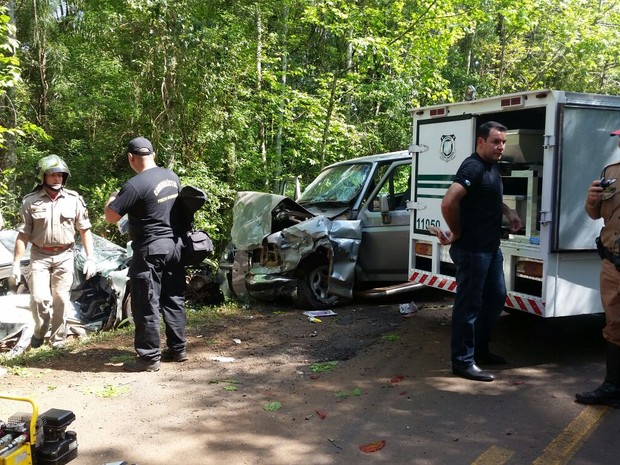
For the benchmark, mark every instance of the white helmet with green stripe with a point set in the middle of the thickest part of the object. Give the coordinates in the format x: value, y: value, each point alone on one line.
x: 51, y: 164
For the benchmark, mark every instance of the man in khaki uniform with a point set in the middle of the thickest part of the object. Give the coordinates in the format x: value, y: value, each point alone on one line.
x: 49, y: 216
x: 602, y: 201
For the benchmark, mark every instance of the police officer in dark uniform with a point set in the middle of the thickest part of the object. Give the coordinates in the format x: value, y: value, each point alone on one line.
x: 50, y: 216
x: 602, y: 201
x: 156, y: 276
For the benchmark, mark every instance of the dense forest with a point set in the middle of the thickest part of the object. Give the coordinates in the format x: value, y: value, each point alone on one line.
x: 243, y: 95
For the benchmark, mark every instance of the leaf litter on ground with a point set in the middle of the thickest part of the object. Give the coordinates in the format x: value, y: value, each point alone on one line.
x: 373, y: 446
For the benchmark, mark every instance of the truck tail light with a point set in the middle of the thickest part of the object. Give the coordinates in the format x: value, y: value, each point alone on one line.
x: 424, y: 249
x: 436, y: 112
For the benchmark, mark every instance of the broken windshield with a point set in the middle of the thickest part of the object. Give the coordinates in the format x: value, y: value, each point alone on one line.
x: 338, y: 184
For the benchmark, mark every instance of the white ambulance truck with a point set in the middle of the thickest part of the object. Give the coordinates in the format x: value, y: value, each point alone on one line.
x: 557, y: 143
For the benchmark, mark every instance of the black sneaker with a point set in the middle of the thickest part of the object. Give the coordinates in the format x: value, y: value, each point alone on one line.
x: 35, y: 342
x: 140, y: 364
x: 170, y: 355
x: 606, y: 394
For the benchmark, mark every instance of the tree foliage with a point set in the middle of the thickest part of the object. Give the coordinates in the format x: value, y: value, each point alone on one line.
x: 242, y: 95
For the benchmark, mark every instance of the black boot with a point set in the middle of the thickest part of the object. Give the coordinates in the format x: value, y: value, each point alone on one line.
x: 607, y: 393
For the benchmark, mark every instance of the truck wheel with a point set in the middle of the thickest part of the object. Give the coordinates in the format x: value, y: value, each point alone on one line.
x: 312, y: 286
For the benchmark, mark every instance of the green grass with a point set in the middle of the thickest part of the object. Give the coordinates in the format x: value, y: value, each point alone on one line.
x: 108, y: 390
x: 33, y: 356
x: 197, y: 319
x: 323, y: 367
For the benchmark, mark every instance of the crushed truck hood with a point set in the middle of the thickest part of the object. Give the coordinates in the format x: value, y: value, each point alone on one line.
x: 260, y: 219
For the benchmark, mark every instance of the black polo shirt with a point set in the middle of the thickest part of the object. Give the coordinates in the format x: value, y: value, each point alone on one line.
x: 481, y: 208
x: 147, y: 199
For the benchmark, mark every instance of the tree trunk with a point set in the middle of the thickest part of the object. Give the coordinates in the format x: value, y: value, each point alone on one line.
x: 259, y: 88
x: 278, y: 163
x: 328, y: 118
x: 7, y: 153
x: 501, y: 34
x: 40, y: 39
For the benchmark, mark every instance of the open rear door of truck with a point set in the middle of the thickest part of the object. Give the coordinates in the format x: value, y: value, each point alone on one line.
x: 449, y: 142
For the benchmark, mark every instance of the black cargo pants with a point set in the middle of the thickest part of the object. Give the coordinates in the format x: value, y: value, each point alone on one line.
x: 157, y: 285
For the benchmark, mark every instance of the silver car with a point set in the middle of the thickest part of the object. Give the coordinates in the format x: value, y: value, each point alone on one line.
x: 348, y: 231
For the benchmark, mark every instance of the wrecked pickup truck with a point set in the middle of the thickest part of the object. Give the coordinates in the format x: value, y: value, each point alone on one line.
x: 348, y: 231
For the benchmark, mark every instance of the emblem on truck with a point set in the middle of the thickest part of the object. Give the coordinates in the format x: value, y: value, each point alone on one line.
x: 447, y: 147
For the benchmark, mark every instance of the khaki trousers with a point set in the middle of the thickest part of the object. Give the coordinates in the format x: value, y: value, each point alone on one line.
x: 51, y: 279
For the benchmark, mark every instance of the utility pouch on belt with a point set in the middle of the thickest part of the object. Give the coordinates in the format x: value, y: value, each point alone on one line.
x: 605, y: 253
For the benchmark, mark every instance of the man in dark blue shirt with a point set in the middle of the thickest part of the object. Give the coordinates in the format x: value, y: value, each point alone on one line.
x: 156, y: 276
x: 473, y: 208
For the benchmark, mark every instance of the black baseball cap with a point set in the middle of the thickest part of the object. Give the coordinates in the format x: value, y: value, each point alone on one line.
x: 140, y: 146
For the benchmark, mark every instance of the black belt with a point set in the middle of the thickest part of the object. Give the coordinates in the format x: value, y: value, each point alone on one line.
x: 604, y: 252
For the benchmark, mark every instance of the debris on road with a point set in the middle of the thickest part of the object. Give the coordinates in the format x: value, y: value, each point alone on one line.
x: 373, y: 446
x: 408, y: 310
x: 334, y: 443
x: 318, y: 313
x: 313, y: 315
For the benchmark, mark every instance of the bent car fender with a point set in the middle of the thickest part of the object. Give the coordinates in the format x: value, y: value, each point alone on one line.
x: 257, y: 214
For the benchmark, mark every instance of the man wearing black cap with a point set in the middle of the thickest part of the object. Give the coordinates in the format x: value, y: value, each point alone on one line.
x: 157, y: 278
x: 602, y: 202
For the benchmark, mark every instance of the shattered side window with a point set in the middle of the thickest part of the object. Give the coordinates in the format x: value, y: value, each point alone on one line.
x: 338, y: 184
x: 397, y: 188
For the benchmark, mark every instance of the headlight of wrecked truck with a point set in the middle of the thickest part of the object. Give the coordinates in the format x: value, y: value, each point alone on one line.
x: 268, y: 255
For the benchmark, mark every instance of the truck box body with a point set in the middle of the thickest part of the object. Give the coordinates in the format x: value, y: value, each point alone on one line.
x: 557, y: 144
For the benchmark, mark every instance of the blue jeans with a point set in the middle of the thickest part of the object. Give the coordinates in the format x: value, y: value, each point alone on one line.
x: 480, y: 298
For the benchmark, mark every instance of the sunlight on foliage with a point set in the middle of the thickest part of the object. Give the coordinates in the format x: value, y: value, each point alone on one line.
x: 333, y: 80
x: 20, y: 371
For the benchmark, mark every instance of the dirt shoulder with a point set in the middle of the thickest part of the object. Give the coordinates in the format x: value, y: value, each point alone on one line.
x: 214, y: 405
x: 269, y: 387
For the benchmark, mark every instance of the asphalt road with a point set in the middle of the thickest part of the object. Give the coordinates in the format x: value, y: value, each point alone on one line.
x: 526, y: 416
